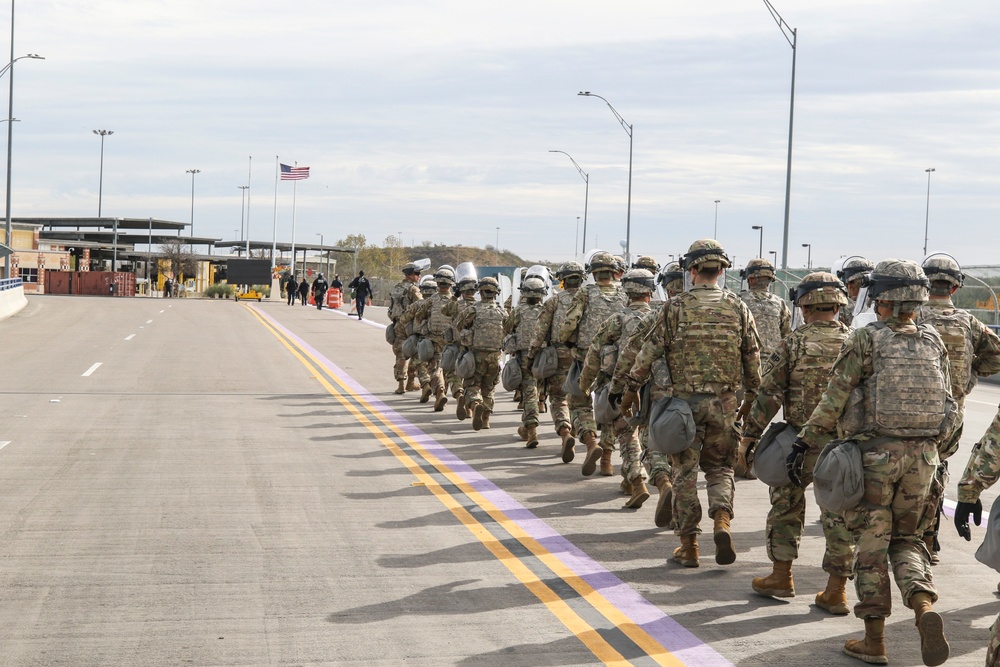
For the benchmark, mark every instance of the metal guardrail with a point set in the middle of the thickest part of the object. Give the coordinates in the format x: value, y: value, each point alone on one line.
x: 10, y: 283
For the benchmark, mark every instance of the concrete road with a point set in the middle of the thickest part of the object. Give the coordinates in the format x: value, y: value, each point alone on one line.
x: 199, y: 482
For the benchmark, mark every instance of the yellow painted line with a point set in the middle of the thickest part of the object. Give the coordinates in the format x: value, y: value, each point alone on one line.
x: 602, y: 650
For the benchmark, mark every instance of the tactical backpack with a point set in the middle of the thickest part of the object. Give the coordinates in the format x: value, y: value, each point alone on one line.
x: 397, y: 299
x: 487, y: 331
x: 707, y: 346
x: 955, y: 329
x: 600, y: 307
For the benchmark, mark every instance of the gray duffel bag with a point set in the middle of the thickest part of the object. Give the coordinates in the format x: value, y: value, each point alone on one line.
x: 409, y: 348
x: 839, y: 476
x: 449, y: 357
x: 390, y: 334
x: 546, y: 363
x: 465, y: 367
x: 425, y: 350
x: 510, y: 376
x: 988, y: 552
x: 572, y: 384
x: 671, y: 426
x: 772, y: 451
x: 604, y: 413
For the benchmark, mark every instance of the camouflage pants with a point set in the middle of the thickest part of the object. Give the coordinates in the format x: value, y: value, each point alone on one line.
x: 529, y: 390
x: 787, y: 517
x: 931, y: 517
x: 885, y: 524
x: 714, y: 451
x: 631, y: 452
x: 480, y: 386
x: 993, y: 650
x: 436, y: 375
x: 558, y: 406
x: 400, y: 367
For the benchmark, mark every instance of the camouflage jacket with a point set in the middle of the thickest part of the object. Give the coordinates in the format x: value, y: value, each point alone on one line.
x: 795, y: 375
x: 402, y: 294
x: 973, y: 349
x: 983, y: 468
x: 524, y: 328
x: 846, y: 314
x: 610, y: 333
x: 471, y: 320
x: 852, y: 369
x: 454, y: 309
x: 710, y: 343
x: 410, y: 321
x: 578, y: 317
x: 421, y: 312
x: 628, y: 351
x: 771, y: 316
x: 543, y: 331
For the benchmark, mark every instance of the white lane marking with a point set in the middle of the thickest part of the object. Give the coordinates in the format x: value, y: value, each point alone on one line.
x: 149, y: 321
x: 162, y: 311
x: 4, y: 443
x: 93, y: 368
x: 972, y: 400
x: 368, y: 322
x: 130, y: 337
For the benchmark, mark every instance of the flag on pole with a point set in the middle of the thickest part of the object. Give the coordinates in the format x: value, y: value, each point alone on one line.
x: 294, y: 173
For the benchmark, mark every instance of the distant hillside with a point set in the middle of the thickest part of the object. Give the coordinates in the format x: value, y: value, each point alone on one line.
x: 454, y: 255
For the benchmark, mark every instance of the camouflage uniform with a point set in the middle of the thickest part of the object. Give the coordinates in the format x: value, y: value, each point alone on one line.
x: 771, y: 316
x: 481, y: 327
x: 846, y: 314
x: 794, y: 377
x: 429, y: 314
x: 454, y: 308
x: 549, y: 321
x: 711, y: 346
x: 854, y: 269
x: 523, y: 325
x: 401, y: 296
x: 410, y: 323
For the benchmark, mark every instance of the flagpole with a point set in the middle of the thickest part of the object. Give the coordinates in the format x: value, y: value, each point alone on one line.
x: 275, y: 285
x: 294, y: 183
x: 249, y: 190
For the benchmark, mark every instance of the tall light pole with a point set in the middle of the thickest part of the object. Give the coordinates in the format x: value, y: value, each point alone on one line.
x: 791, y: 36
x: 586, y: 198
x: 760, y: 245
x: 628, y: 212
x: 774, y: 255
x: 496, y: 250
x: 193, y: 172
x: 10, y: 131
x: 100, y: 178
x: 321, y: 248
x: 927, y: 214
x: 809, y: 256
x: 715, y: 233
x: 576, y: 240
x: 243, y: 197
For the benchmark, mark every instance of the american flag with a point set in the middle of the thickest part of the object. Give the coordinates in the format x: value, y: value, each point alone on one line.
x: 294, y: 173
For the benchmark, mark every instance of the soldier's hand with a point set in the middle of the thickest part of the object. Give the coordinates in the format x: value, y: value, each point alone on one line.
x: 742, y: 413
x: 795, y: 462
x: 962, y: 513
x: 630, y: 404
x: 745, y: 453
x: 615, y: 399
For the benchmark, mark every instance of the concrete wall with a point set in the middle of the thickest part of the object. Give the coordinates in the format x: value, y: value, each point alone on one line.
x: 11, y: 301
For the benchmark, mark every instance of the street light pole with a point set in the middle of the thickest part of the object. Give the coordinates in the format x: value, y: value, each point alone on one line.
x: 243, y: 197
x: 787, y: 30
x: 927, y: 214
x: 586, y: 198
x: 192, y: 172
x: 809, y: 256
x: 628, y: 211
x: 774, y: 256
x: 321, y: 246
x: 760, y: 245
x: 100, y: 179
x: 496, y: 250
x: 715, y: 233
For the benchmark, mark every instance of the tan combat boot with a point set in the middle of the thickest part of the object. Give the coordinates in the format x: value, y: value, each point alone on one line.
x: 725, y: 554
x: 871, y: 649
x: 477, y: 414
x: 411, y: 383
x: 522, y: 432
x: 568, y: 443
x: 626, y: 487
x: 531, y: 439
x: 687, y: 553
x: 401, y: 389
x: 486, y: 418
x: 593, y: 453
x: 778, y: 584
x: 664, y: 505
x: 934, y: 647
x: 639, y: 493
x: 834, y: 598
x: 460, y: 410
x: 440, y: 400
x: 607, y: 469
x: 425, y: 395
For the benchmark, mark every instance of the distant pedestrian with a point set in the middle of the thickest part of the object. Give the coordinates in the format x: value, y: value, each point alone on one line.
x: 304, y: 291
x: 362, y: 292
x: 166, y: 288
x: 336, y: 284
x: 319, y: 288
x: 291, y: 287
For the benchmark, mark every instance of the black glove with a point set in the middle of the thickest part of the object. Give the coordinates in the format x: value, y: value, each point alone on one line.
x: 962, y: 513
x: 795, y: 461
x: 615, y: 399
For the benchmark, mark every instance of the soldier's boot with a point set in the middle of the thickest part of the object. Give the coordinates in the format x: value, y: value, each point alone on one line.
x: 639, y: 493
x: 542, y: 407
x: 425, y: 395
x: 411, y: 383
x: 477, y: 414
x: 460, y: 410
x: 687, y: 553
x: 778, y: 584
x: 741, y: 471
x: 440, y: 400
x: 607, y: 469
x: 593, y: 453
x: 401, y: 389
x: 522, y: 432
x: 871, y: 649
x: 929, y: 540
x: 934, y: 647
x: 834, y: 598
x: 664, y: 505
x: 532, y: 437
x: 568, y: 443
x: 725, y: 554
x: 626, y: 487
x: 517, y: 396
x: 486, y: 418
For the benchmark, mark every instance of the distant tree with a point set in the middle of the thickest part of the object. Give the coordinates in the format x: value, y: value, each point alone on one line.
x: 180, y: 258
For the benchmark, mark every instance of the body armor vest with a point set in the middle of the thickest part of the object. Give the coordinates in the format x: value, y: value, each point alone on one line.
x: 563, y: 300
x: 629, y: 322
x: 812, y: 351
x: 600, y: 307
x: 906, y: 396
x: 487, y: 330
x: 706, y: 348
x: 528, y: 325
x: 767, y: 310
x: 438, y: 322
x: 398, y: 299
x: 955, y: 327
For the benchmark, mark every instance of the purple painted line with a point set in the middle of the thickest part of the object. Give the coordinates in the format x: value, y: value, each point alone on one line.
x: 669, y: 633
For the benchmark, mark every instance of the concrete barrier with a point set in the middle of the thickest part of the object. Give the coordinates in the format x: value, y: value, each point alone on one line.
x: 12, y: 297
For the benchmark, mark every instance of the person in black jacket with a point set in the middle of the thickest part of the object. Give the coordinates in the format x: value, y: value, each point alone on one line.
x: 319, y: 288
x: 362, y: 291
x: 304, y: 291
x: 291, y: 288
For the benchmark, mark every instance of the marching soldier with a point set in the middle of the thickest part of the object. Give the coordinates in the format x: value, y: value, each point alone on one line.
x: 453, y: 309
x: 522, y: 325
x: 401, y: 296
x: 413, y: 322
x: 481, y: 327
x: 430, y: 312
x: 852, y: 274
x: 770, y: 313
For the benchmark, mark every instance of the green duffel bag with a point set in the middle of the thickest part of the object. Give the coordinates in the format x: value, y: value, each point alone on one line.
x: 410, y: 345
x: 510, y: 376
x: 839, y: 476
x: 772, y: 451
x: 465, y: 367
x: 449, y: 357
x: 671, y: 425
x: 546, y: 363
x: 572, y: 384
x: 425, y: 350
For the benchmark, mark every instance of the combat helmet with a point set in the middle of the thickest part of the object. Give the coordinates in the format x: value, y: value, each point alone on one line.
x: 854, y: 268
x: 670, y: 273
x: 638, y: 282
x: 489, y: 285
x: 621, y: 266
x: 941, y: 266
x: 820, y: 288
x: 427, y: 285
x: 758, y: 268
x: 411, y: 268
x: 570, y: 268
x: 533, y: 286
x: 445, y: 275
x: 705, y: 253
x: 899, y: 281
x: 646, y: 262
x: 602, y: 261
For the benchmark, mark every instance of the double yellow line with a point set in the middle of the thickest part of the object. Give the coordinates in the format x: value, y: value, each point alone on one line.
x: 386, y: 432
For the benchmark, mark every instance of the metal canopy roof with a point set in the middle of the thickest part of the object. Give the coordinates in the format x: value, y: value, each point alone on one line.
x: 105, y: 223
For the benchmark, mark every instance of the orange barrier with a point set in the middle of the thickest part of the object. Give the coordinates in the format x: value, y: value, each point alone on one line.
x: 312, y: 299
x: 334, y: 298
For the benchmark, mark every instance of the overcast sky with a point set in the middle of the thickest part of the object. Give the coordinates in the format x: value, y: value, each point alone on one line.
x: 436, y: 118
